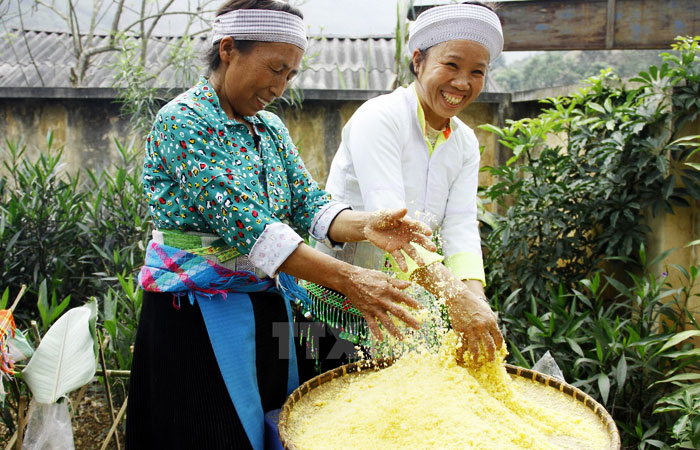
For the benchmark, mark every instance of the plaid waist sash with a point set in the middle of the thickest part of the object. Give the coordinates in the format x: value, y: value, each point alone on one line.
x: 222, y: 296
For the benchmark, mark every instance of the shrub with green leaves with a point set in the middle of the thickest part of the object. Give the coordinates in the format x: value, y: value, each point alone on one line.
x: 585, y: 173
x: 42, y: 234
x: 628, y: 352
x: 569, y: 214
x: 73, y: 237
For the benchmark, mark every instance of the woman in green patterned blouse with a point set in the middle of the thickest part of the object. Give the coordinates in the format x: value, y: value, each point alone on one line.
x: 229, y: 197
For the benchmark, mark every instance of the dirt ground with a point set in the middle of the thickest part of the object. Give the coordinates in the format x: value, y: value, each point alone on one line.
x: 91, y: 422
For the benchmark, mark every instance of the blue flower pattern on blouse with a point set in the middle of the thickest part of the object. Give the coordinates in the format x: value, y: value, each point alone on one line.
x: 203, y: 172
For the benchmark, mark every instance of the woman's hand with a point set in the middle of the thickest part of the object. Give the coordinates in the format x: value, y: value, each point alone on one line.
x: 376, y: 295
x: 476, y: 325
x: 370, y: 291
x: 392, y: 231
x: 470, y: 316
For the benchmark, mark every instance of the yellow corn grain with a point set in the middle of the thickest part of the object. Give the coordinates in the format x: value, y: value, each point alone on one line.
x: 427, y: 401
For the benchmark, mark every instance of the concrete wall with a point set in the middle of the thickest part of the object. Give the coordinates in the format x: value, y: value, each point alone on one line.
x: 316, y: 129
x: 676, y: 231
x: 87, y: 126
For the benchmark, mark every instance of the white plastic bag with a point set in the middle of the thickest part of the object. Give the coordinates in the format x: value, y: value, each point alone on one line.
x: 548, y: 366
x: 48, y: 427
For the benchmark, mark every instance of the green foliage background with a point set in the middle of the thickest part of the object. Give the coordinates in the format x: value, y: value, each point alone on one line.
x: 564, y: 248
x: 69, y: 239
x: 547, y: 69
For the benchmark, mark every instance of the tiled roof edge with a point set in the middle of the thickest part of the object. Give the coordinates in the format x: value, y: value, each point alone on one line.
x: 112, y: 94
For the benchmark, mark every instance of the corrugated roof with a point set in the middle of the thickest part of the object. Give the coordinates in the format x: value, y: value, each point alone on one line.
x: 46, y: 59
x: 349, y: 63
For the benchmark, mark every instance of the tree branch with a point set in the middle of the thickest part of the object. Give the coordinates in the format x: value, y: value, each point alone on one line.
x: 144, y: 38
x: 153, y: 16
x: 157, y: 19
x: 103, y: 49
x: 117, y: 17
x: 29, y: 50
x: 74, y: 30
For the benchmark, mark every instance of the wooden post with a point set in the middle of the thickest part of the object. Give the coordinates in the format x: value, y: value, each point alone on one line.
x: 21, y: 419
x: 115, y: 424
x: 610, y: 26
x: 105, y: 375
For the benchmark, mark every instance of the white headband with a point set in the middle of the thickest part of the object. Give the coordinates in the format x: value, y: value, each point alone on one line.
x: 457, y: 22
x: 260, y: 25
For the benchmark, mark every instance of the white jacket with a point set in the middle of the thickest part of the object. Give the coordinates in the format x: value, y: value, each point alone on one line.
x: 383, y: 162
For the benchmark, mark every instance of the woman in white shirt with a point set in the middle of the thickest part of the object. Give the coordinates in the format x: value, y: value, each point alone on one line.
x: 408, y: 149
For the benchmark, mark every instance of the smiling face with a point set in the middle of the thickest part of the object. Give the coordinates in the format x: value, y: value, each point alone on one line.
x: 449, y: 76
x: 246, y: 82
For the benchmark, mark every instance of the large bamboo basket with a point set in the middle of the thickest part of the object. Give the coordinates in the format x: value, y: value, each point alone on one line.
x: 564, y: 388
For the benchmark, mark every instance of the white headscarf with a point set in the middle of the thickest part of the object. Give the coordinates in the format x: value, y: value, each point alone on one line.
x: 260, y: 25
x: 457, y: 22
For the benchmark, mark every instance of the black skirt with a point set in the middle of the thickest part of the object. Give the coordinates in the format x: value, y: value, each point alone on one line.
x: 177, y: 396
x: 319, y: 348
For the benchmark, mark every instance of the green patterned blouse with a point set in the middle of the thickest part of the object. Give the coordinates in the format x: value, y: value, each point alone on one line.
x: 205, y: 172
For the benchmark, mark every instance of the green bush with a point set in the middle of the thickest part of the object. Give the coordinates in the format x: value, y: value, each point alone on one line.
x: 571, y: 206
x: 73, y: 237
x: 120, y: 228
x: 42, y: 237
x: 618, y: 351
x: 568, y: 218
x: 70, y: 239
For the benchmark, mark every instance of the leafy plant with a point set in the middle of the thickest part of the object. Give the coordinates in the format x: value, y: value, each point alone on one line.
x: 117, y: 218
x: 586, y: 173
x: 65, y: 359
x: 686, y: 430
x: 139, y: 97
x: 41, y: 235
x: 568, y: 221
x: 683, y: 403
x: 97, y: 222
x: 620, y: 350
x: 121, y: 307
x: 98, y: 226
x: 49, y: 311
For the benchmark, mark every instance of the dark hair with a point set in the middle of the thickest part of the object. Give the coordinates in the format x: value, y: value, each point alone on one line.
x: 211, y: 58
x: 424, y: 52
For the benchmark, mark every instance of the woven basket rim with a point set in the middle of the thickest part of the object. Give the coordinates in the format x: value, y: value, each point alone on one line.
x: 358, y: 366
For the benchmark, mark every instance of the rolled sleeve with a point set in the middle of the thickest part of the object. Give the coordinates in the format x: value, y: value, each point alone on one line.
x: 466, y: 266
x: 273, y: 247
x: 322, y: 221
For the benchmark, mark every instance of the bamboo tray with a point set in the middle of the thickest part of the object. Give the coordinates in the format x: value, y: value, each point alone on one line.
x: 546, y: 380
